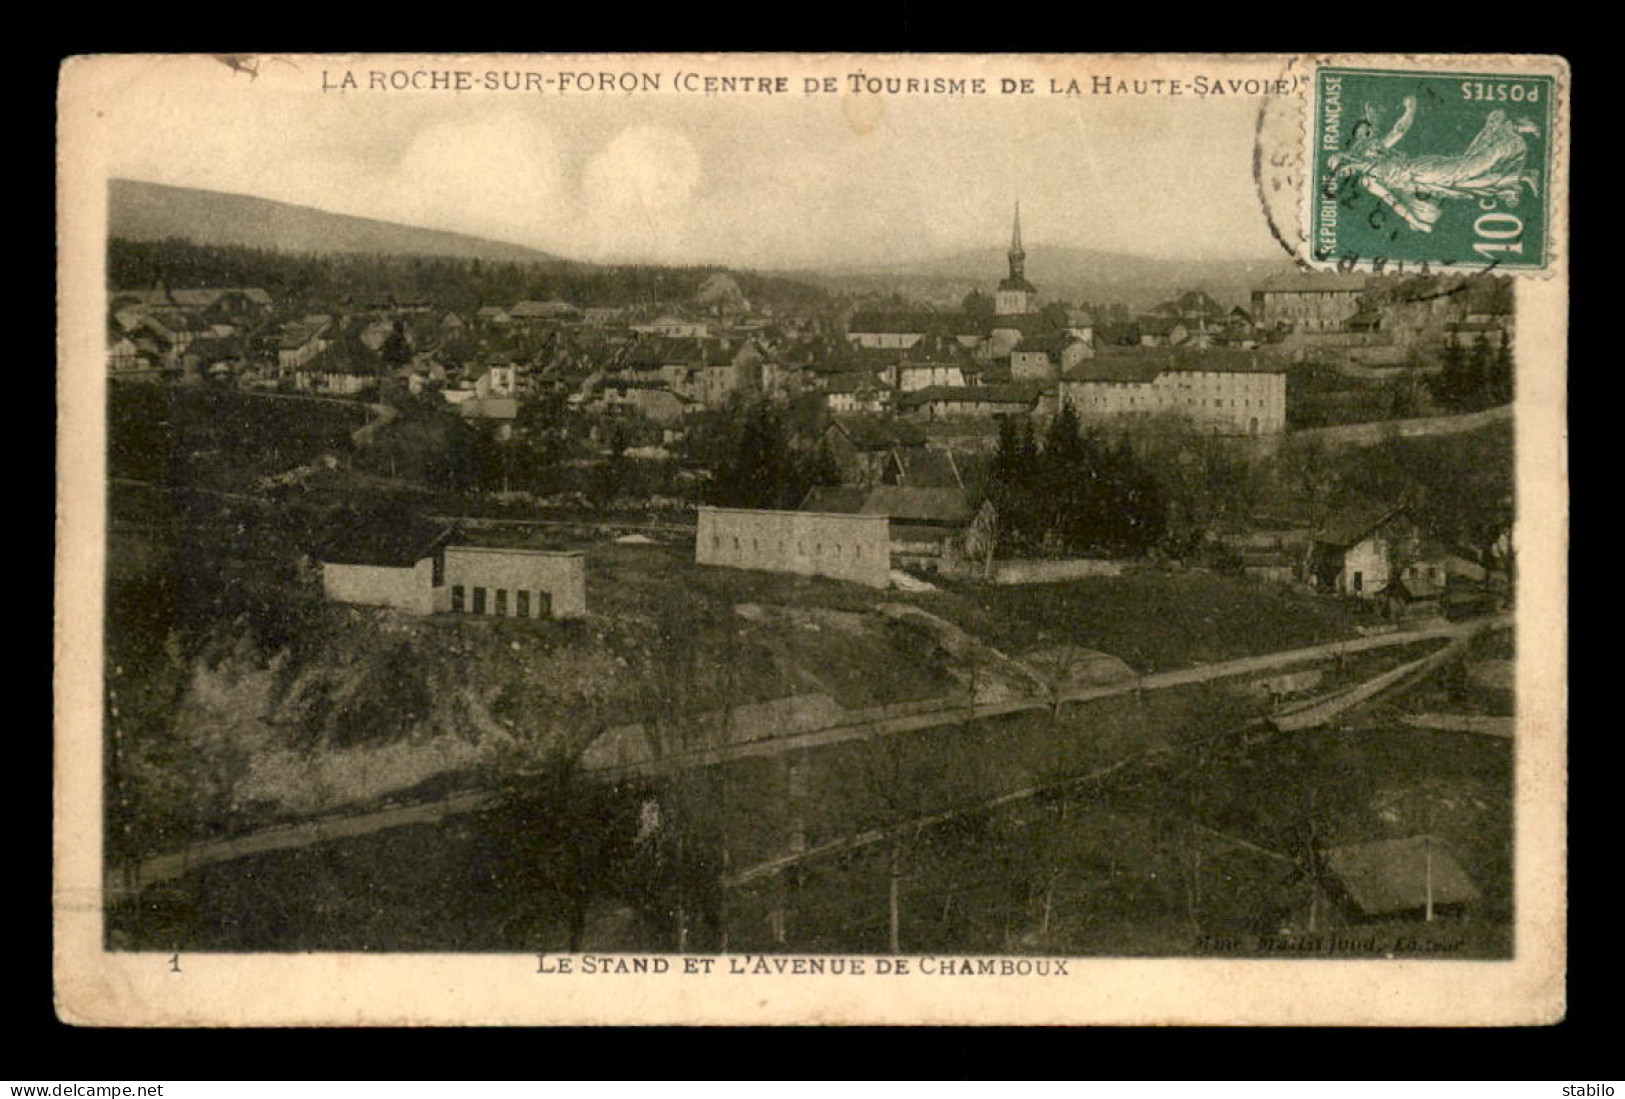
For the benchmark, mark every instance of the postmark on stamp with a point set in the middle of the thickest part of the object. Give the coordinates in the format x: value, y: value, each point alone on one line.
x: 1434, y: 169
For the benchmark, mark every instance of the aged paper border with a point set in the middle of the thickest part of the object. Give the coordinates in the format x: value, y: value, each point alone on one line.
x: 98, y: 988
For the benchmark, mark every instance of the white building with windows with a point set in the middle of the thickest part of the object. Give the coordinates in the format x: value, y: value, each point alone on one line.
x: 1217, y: 392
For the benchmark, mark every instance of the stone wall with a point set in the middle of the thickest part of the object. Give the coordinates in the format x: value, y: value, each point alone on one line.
x: 554, y: 583
x: 406, y: 589
x: 845, y: 547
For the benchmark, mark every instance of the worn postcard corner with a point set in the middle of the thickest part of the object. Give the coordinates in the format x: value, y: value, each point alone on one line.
x: 1024, y: 539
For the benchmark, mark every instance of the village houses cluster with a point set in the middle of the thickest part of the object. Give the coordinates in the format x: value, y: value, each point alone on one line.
x: 909, y: 397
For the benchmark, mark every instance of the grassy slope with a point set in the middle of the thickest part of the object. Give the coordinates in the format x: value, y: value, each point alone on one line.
x: 1152, y: 620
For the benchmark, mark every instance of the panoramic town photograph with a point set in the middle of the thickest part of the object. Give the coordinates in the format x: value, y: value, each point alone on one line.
x: 875, y: 526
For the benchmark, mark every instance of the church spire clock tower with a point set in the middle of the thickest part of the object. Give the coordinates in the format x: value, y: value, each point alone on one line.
x: 1016, y: 295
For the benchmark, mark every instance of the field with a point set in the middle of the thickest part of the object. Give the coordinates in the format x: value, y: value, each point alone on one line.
x: 1153, y: 620
x: 200, y: 435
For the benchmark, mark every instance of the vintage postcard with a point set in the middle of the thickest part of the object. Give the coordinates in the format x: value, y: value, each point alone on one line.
x: 788, y: 539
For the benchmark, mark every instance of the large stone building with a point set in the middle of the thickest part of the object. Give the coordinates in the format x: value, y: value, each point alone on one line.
x: 1218, y: 392
x: 976, y: 402
x: 921, y: 519
x: 511, y: 582
x: 388, y: 565
x: 844, y: 547
x: 1316, y: 301
x: 425, y: 569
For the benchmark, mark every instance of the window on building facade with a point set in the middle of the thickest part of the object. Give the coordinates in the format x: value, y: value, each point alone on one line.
x: 502, y: 602
x: 522, y: 604
x: 457, y: 599
x: 479, y: 600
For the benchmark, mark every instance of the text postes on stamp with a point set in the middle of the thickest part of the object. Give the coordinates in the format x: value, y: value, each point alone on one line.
x: 1430, y: 169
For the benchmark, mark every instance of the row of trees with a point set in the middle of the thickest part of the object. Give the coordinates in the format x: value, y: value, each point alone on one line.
x: 448, y: 282
x: 1077, y: 492
x: 749, y: 454
x: 1475, y: 377
x: 761, y: 460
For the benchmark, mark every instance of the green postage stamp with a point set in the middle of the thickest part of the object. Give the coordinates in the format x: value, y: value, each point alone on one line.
x: 1431, y: 169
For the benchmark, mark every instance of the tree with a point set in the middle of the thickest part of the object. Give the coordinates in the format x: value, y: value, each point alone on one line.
x: 1063, y: 475
x: 820, y: 468
x: 1453, y: 386
x: 1056, y: 314
x: 396, y: 351
x: 977, y: 305
x: 760, y: 467
x: 1503, y: 371
x: 1012, y: 481
x: 1404, y: 398
x: 1481, y: 362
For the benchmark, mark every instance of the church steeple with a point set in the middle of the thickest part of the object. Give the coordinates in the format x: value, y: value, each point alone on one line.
x: 1016, y: 296
x: 1018, y: 256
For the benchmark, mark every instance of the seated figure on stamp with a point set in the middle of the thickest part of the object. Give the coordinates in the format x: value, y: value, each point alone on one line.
x: 1492, y: 166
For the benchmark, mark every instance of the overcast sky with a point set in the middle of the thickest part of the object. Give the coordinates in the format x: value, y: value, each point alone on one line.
x: 750, y: 181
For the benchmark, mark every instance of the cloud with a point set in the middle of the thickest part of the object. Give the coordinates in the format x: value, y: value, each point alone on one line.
x: 496, y: 175
x: 637, y: 192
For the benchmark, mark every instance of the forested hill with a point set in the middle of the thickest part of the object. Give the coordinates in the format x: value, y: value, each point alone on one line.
x: 191, y: 237
x: 324, y: 280
x: 156, y: 211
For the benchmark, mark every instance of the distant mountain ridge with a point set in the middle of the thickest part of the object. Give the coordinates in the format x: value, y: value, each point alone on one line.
x: 138, y: 210
x: 143, y: 211
x: 1062, y: 272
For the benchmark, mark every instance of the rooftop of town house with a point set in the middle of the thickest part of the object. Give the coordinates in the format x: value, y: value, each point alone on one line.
x: 834, y: 499
x: 797, y: 511
x: 1351, y: 524
x: 1198, y: 302
x: 541, y: 309
x: 1313, y: 282
x: 1159, y: 326
x: 1414, y: 587
x: 896, y: 323
x: 856, y: 381
x: 1028, y: 324
x: 877, y: 433
x: 923, y: 467
x: 489, y: 408
x: 1144, y: 364
x: 196, y: 297
x: 1046, y: 342
x: 385, y: 541
x: 920, y: 504
x: 1007, y: 393
x: 503, y: 544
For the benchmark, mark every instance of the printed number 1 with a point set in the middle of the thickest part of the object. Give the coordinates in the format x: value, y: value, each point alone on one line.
x: 174, y: 963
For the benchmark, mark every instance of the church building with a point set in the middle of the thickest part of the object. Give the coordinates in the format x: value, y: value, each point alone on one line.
x: 1016, y: 296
